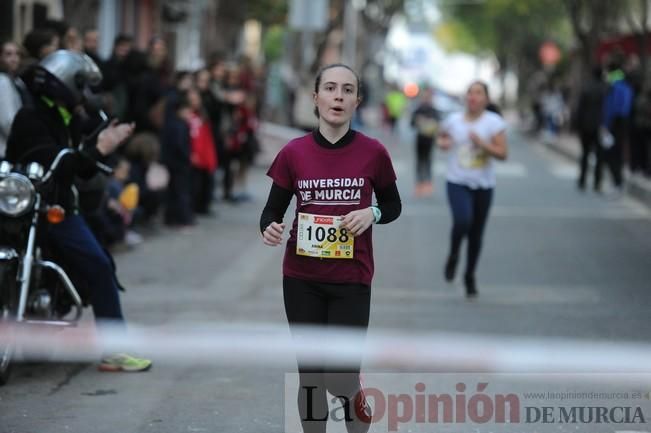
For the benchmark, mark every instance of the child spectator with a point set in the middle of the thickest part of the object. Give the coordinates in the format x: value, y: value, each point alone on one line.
x: 203, y: 155
x: 175, y: 146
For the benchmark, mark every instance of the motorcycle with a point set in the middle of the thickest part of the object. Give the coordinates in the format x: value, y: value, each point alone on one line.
x: 34, y: 290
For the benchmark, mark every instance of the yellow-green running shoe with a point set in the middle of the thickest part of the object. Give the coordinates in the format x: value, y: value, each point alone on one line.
x: 124, y: 362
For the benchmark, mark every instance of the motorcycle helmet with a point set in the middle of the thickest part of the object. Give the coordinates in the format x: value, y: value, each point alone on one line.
x: 64, y: 76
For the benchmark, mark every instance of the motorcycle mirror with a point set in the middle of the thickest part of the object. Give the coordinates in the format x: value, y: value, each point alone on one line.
x: 5, y: 168
x: 35, y: 171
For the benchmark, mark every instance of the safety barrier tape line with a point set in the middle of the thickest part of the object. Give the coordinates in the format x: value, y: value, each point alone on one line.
x: 273, y: 345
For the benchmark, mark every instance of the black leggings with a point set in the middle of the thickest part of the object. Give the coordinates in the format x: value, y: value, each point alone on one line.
x: 614, y: 156
x: 470, y: 208
x: 203, y: 186
x: 324, y: 304
x: 424, y: 146
x: 590, y: 144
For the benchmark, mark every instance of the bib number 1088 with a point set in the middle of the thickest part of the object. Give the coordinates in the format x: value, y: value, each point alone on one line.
x: 320, y: 234
x: 324, y: 237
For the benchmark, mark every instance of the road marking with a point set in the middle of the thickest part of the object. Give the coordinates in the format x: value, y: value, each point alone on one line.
x: 511, y: 294
x: 503, y: 170
x: 564, y: 171
x: 618, y: 213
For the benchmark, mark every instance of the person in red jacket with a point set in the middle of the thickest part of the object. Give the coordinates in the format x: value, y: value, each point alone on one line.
x: 203, y: 155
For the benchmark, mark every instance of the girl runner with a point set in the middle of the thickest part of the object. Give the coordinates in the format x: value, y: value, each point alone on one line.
x: 474, y: 138
x: 328, y: 264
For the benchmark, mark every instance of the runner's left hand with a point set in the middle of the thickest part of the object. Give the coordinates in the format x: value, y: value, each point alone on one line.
x: 356, y: 222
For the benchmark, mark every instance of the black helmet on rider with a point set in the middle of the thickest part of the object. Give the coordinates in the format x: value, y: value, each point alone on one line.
x: 64, y: 76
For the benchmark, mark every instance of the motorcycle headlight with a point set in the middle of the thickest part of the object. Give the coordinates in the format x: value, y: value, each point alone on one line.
x: 17, y: 195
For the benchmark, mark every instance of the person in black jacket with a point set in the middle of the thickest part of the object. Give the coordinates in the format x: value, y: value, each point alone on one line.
x: 587, y: 120
x: 425, y: 119
x: 55, y: 122
x: 175, y: 149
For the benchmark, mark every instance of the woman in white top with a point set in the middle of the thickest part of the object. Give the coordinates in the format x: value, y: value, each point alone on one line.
x: 473, y: 138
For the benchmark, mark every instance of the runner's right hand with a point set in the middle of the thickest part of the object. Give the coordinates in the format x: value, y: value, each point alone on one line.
x: 273, y: 234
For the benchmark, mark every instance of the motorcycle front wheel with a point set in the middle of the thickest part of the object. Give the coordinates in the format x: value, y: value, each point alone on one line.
x: 6, y: 352
x: 8, y: 307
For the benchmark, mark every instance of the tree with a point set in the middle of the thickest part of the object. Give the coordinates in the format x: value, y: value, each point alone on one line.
x: 268, y: 12
x: 511, y: 30
x: 591, y: 20
x: 230, y: 15
x: 375, y: 19
x: 378, y: 14
x: 640, y: 28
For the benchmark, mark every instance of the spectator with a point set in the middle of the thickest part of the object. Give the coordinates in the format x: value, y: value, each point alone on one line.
x: 217, y: 70
x: 244, y: 142
x: 153, y: 83
x: 226, y: 87
x: 116, y: 77
x: 183, y: 81
x: 212, y: 107
x: 175, y: 146
x: 247, y: 76
x: 617, y: 110
x: 143, y: 152
x: 68, y: 35
x: 38, y: 44
x: 203, y: 154
x: 10, y: 98
x: 91, y: 46
x: 552, y: 108
x: 111, y: 221
x: 587, y: 119
x: 642, y: 137
x: 235, y: 120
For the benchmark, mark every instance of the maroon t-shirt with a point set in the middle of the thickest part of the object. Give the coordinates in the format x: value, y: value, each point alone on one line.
x: 332, y: 182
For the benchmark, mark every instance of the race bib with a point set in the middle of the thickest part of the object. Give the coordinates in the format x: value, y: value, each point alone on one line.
x: 471, y: 157
x: 426, y: 126
x: 322, y: 236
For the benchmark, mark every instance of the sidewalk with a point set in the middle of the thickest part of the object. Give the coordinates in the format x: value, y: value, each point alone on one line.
x: 636, y: 185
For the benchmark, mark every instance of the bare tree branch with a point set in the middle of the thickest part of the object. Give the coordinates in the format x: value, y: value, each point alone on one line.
x: 628, y: 14
x: 644, y: 7
x: 574, y: 8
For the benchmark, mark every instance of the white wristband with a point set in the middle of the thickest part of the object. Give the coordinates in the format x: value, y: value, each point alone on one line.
x: 377, y: 214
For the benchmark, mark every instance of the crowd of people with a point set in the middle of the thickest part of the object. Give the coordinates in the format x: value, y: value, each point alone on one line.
x: 195, y: 131
x: 611, y: 116
x: 613, y: 121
